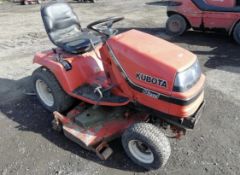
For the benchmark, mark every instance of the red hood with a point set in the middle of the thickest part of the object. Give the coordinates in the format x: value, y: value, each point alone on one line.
x: 156, y: 50
x: 147, y: 55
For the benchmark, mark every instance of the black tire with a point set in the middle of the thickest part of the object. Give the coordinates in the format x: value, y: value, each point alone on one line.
x: 176, y: 25
x: 61, y: 100
x: 153, y: 139
x: 236, y: 33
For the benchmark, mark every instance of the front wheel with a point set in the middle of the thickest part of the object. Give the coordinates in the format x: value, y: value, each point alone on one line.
x: 176, y: 25
x: 49, y: 91
x: 236, y: 33
x: 146, y: 145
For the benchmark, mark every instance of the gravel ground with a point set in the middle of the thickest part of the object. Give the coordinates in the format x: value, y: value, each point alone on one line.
x: 29, y: 146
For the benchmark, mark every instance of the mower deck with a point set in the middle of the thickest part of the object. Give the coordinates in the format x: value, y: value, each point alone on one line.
x: 92, y: 127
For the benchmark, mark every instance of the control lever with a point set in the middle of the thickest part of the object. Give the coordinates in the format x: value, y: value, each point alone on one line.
x: 101, y: 92
x: 59, y: 58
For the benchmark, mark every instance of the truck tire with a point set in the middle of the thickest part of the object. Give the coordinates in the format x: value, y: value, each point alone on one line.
x: 49, y: 92
x: 176, y: 25
x: 236, y: 33
x: 146, y: 145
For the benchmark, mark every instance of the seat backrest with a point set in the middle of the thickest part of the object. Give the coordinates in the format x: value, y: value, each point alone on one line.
x: 59, y: 19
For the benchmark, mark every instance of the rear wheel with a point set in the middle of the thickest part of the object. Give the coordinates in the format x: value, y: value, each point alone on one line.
x: 146, y: 145
x: 176, y: 25
x: 236, y: 33
x: 49, y: 92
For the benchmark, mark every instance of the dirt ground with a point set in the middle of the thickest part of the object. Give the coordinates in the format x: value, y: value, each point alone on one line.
x: 29, y: 146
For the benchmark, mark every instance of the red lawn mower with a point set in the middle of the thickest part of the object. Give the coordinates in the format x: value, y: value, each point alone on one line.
x: 204, y: 15
x: 101, y: 85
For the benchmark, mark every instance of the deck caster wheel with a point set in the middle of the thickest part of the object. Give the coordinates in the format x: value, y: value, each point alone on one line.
x: 49, y: 92
x: 56, y: 125
x: 236, y: 33
x: 146, y: 145
x: 176, y: 25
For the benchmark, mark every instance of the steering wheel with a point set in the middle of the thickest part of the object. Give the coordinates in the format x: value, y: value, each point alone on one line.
x: 104, y: 26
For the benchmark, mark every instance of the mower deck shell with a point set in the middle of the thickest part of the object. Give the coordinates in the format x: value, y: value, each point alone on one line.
x: 111, y: 125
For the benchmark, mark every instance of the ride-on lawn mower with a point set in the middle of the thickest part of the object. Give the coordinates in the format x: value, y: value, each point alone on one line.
x: 130, y: 85
x: 204, y: 15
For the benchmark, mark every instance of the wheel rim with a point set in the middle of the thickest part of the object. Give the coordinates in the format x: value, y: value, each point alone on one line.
x: 175, y: 26
x: 44, y: 92
x: 141, y: 151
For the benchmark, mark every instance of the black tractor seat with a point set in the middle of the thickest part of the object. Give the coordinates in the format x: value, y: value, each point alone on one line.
x: 202, y: 5
x: 64, y: 29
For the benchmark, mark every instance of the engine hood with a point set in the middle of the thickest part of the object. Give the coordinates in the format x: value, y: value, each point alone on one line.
x: 142, y: 55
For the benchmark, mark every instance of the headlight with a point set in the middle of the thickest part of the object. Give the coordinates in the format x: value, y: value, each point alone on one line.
x: 188, y: 78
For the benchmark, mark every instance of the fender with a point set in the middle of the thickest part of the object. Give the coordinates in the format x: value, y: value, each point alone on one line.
x: 82, y: 67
